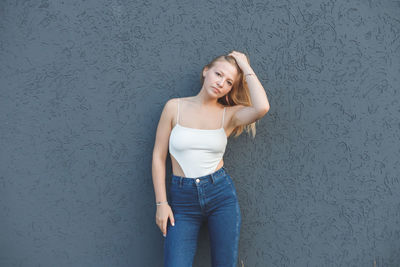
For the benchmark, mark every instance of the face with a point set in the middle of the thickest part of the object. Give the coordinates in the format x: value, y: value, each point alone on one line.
x: 219, y: 79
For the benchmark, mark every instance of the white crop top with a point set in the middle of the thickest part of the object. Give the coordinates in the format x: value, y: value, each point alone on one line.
x: 198, y: 151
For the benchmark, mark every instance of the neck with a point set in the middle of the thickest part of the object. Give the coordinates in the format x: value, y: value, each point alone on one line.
x: 205, y: 100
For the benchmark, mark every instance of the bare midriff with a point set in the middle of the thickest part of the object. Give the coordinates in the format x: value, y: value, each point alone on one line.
x: 177, y: 170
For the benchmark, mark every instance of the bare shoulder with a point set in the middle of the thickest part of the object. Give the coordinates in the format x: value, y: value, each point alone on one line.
x: 234, y: 108
x: 170, y: 107
x: 244, y: 115
x: 230, y: 112
x: 173, y: 102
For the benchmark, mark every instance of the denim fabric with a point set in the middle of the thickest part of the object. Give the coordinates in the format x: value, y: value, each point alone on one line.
x: 212, y: 199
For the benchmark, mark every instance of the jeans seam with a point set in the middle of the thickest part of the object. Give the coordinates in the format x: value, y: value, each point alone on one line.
x: 230, y: 181
x: 227, y: 179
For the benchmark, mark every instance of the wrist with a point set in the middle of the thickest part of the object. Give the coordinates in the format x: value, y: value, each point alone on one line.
x: 247, y: 70
x: 158, y: 203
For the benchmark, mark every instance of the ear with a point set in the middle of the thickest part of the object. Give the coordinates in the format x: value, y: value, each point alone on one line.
x: 204, y: 71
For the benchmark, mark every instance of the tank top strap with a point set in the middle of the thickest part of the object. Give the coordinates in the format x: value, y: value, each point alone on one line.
x: 223, y: 117
x: 177, y: 115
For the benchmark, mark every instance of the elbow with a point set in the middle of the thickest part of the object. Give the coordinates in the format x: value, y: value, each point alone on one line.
x: 159, y: 156
x: 263, y: 112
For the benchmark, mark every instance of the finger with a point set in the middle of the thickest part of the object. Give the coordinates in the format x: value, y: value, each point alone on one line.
x: 164, y: 228
x: 172, y: 219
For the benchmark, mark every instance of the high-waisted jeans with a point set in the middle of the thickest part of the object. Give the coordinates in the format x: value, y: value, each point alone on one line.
x: 211, y: 198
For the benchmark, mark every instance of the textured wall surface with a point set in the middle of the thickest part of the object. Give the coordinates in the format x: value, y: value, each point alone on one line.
x: 83, y: 84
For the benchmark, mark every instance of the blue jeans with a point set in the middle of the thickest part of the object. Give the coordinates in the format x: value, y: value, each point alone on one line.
x: 211, y: 198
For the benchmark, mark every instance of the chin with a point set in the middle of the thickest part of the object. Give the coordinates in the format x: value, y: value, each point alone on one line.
x: 215, y: 95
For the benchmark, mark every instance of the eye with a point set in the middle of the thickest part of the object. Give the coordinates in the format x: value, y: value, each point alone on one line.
x: 230, y: 84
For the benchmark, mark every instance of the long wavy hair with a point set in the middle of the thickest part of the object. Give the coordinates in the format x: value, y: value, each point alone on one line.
x: 238, y: 95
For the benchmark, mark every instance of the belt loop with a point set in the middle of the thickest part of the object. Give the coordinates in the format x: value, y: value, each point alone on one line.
x: 212, y: 178
x: 180, y: 182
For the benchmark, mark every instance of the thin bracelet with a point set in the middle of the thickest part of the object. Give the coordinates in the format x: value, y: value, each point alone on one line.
x: 159, y: 203
x: 250, y: 74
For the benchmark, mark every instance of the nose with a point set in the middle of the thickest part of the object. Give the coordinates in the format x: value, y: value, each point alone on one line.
x: 221, y: 82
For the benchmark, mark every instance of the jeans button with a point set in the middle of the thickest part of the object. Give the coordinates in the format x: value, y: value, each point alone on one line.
x: 197, y: 180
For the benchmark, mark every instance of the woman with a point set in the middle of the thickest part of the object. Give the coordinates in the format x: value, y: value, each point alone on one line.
x: 195, y: 131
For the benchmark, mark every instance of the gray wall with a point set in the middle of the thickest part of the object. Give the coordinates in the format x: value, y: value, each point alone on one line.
x: 83, y: 84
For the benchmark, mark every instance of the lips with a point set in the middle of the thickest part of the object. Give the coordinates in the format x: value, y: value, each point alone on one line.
x: 218, y: 91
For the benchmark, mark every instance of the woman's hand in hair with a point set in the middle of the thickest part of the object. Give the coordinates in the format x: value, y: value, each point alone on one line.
x: 164, y: 212
x: 242, y: 60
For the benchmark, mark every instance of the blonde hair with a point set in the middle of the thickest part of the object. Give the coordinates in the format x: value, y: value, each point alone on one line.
x: 238, y: 95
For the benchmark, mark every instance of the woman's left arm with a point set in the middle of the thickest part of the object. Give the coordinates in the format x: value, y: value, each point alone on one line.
x: 260, y: 106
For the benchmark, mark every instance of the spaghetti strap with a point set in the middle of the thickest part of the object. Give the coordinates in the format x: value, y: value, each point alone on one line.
x: 177, y: 115
x: 223, y: 117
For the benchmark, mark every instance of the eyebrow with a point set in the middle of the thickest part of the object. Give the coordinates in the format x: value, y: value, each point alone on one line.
x: 228, y: 77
